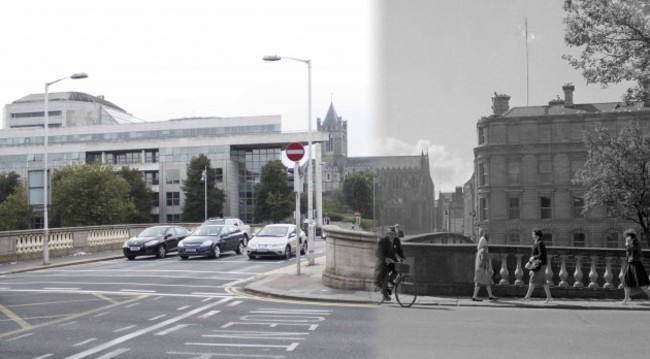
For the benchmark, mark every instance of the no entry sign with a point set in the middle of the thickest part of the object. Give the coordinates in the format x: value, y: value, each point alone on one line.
x: 295, y: 151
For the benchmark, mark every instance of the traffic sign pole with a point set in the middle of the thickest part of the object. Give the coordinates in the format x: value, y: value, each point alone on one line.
x: 296, y: 167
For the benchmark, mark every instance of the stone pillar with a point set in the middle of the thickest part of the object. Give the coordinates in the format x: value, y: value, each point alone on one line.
x: 593, y: 274
x: 519, y: 272
x: 564, y: 274
x: 578, y: 273
x: 350, y: 258
x: 505, y: 280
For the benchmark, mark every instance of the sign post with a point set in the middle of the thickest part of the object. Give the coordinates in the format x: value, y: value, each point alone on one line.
x: 295, y: 151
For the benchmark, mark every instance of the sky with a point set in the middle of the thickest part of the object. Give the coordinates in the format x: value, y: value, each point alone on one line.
x: 408, y: 76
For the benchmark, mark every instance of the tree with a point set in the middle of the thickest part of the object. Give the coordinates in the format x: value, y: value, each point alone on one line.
x: 194, y: 189
x: 274, y: 200
x: 615, y: 41
x: 8, y: 183
x: 90, y: 195
x: 15, y: 213
x: 139, y: 193
x: 617, y: 174
x: 357, y: 191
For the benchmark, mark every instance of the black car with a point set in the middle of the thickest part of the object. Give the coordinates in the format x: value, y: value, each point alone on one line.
x: 212, y: 240
x: 158, y: 241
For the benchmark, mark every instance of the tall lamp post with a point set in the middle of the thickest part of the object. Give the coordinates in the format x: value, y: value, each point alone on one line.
x: 310, y: 159
x: 204, y: 178
x: 46, y: 225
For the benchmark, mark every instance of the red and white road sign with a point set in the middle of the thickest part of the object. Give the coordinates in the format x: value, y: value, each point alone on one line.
x: 295, y: 151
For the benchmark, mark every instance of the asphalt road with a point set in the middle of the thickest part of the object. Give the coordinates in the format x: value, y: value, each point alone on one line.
x: 170, y: 308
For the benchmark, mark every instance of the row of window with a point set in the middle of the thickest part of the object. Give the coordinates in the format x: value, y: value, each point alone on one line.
x: 35, y: 114
x: 544, y: 171
x: 578, y: 238
x: 545, y: 208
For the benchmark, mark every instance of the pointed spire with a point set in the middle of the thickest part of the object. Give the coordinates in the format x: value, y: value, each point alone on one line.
x: 331, y: 119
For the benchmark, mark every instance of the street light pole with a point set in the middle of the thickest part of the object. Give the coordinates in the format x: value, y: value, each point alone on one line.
x: 46, y: 125
x: 204, y: 177
x: 310, y: 159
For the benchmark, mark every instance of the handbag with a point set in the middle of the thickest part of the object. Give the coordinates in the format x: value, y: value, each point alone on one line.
x: 533, y: 264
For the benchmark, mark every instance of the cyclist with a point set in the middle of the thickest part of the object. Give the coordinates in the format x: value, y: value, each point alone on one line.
x: 388, y: 249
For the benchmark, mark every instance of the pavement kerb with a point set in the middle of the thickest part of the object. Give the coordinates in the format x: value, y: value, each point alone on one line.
x: 61, y: 264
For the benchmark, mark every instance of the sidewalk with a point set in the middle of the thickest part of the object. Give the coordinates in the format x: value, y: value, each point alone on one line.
x: 285, y: 283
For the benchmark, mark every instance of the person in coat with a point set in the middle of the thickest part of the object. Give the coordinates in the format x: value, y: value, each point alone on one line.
x: 483, y: 269
x: 538, y: 274
x: 634, y: 275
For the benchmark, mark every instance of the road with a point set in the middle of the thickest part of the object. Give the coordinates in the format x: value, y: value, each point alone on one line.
x: 169, y: 308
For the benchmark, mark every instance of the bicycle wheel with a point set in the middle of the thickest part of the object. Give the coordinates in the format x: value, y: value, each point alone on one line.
x: 406, y: 291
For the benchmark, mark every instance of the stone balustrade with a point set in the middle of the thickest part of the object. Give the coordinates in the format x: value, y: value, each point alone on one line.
x: 448, y: 269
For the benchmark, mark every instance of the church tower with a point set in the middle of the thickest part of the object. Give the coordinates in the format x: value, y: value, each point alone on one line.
x: 335, y: 150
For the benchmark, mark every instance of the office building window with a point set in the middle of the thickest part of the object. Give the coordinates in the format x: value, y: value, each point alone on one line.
x: 155, y: 199
x: 219, y: 174
x: 483, y: 210
x: 514, y: 208
x: 578, y: 239
x: 578, y: 207
x: 151, y: 178
x: 514, y: 238
x: 481, y: 135
x: 483, y: 174
x: 545, y: 207
x: 173, y: 198
x: 611, y: 239
x: 545, y: 171
x: 514, y: 172
x: 172, y: 177
x: 173, y: 218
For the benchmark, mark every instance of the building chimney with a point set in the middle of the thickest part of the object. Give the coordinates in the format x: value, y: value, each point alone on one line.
x: 500, y: 104
x: 568, y: 94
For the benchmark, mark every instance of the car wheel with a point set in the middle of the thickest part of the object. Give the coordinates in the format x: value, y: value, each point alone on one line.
x: 184, y: 257
x: 303, y: 250
x: 287, y: 252
x: 240, y: 248
x: 130, y: 257
x: 245, y: 240
x: 161, y: 252
x: 216, y: 252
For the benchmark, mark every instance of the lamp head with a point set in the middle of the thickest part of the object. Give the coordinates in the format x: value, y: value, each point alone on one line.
x: 272, y: 58
x: 80, y: 75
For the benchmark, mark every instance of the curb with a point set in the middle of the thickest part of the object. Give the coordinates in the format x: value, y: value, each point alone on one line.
x: 58, y: 265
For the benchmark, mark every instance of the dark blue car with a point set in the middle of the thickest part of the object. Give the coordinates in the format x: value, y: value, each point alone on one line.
x: 212, y: 240
x: 154, y: 241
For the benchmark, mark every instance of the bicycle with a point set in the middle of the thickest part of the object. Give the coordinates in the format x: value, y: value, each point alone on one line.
x: 404, y: 286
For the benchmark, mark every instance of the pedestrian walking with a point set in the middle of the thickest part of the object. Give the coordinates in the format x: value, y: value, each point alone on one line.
x: 634, y: 275
x: 538, y: 272
x: 483, y: 269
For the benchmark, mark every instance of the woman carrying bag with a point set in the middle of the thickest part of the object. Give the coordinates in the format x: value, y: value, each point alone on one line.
x: 538, y: 271
x: 483, y: 269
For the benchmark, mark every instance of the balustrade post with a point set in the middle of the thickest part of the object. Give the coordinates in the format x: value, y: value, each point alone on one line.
x: 577, y: 275
x: 609, y: 277
x: 593, y: 274
x: 621, y: 273
x: 519, y: 272
x: 505, y: 280
x: 549, y: 272
x: 564, y: 274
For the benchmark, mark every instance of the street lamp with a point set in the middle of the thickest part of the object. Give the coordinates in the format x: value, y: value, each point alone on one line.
x: 310, y: 178
x: 204, y: 178
x: 46, y: 225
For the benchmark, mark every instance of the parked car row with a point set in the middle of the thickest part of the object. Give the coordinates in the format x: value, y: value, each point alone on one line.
x: 215, y: 237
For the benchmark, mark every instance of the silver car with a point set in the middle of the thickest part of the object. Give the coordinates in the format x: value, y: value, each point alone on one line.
x: 277, y: 240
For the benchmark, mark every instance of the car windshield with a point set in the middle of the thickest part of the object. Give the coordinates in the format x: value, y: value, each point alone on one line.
x: 153, y: 232
x: 274, y: 231
x: 208, y: 231
x: 215, y: 221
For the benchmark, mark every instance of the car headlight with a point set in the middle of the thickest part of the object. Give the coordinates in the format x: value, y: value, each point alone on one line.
x: 126, y: 244
x: 206, y: 243
x: 181, y: 244
x: 151, y: 243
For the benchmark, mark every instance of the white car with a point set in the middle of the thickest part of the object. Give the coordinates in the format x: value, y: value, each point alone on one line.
x: 277, y: 240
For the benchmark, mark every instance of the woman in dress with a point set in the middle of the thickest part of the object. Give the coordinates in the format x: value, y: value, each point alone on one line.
x: 482, y: 269
x: 538, y: 275
x: 634, y: 275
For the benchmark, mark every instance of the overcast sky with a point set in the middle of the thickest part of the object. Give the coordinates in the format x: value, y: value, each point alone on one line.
x: 408, y: 75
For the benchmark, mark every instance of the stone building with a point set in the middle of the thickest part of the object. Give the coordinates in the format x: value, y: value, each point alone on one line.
x: 403, y: 189
x: 450, y: 212
x: 525, y: 161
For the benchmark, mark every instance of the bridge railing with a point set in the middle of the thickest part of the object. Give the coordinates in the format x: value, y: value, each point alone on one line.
x: 448, y: 269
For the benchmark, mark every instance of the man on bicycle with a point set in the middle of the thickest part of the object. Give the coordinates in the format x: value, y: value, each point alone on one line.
x: 389, y: 247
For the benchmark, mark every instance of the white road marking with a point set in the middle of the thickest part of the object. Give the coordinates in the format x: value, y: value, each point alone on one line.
x: 172, y: 329
x: 19, y: 337
x: 214, y: 295
x: 183, y: 307
x: 235, y: 283
x: 101, y: 314
x: 132, y: 305
x: 44, y: 356
x: 288, y: 348
x: 237, y: 302
x: 114, y: 353
x: 66, y: 324
x: 229, y: 355
x: 85, y: 342
x: 138, y: 290
x: 209, y: 314
x: 140, y: 332
x: 58, y: 288
x: 157, y: 317
x: 123, y: 329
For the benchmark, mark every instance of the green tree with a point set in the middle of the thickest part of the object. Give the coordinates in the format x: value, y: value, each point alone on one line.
x: 617, y: 174
x: 614, y: 37
x: 139, y: 193
x: 357, y: 191
x: 15, y: 213
x: 274, y: 200
x: 194, y: 189
x: 90, y: 195
x: 8, y: 183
